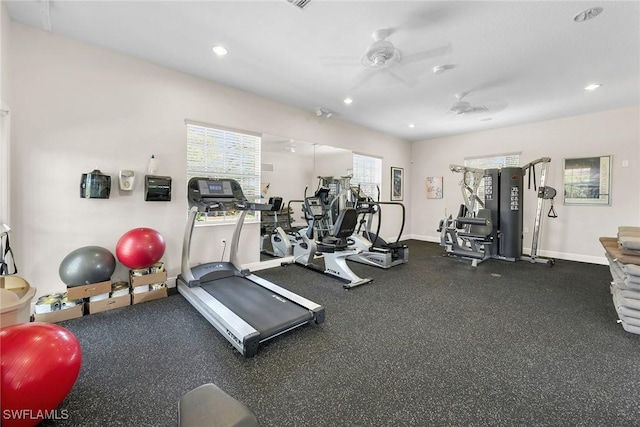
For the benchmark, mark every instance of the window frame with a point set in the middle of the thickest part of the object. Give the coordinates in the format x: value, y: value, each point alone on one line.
x: 237, y: 137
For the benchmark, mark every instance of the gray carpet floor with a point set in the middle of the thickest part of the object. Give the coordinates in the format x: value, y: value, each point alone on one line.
x: 434, y: 342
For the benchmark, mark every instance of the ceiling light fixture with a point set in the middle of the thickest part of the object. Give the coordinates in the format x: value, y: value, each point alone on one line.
x: 348, y: 101
x: 592, y: 86
x: 588, y: 14
x: 220, y: 50
x: 412, y: 125
x: 324, y: 112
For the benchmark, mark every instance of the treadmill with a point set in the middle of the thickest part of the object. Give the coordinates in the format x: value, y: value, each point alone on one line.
x: 246, y: 309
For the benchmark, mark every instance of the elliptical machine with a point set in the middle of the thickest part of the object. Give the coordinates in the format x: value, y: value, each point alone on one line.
x: 375, y: 250
x: 333, y: 246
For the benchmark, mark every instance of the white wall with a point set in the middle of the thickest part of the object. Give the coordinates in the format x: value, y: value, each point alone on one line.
x: 5, y: 25
x: 574, y: 234
x: 77, y: 107
x: 336, y: 164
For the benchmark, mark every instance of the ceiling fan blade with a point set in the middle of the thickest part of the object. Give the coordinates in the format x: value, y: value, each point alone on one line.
x: 427, y: 54
x: 364, y: 76
x: 476, y: 109
x: 405, y: 81
x: 394, y: 76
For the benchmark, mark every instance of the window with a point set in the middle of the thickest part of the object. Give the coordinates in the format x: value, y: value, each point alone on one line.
x: 221, y: 153
x: 367, y: 172
x: 474, y: 184
x: 494, y: 162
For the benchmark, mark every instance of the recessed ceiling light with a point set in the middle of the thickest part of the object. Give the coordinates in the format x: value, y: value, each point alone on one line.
x: 220, y: 50
x: 593, y: 86
x: 348, y: 101
x: 588, y: 14
x: 412, y: 125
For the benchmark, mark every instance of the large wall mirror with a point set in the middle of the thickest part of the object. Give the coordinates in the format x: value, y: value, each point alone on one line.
x: 291, y: 166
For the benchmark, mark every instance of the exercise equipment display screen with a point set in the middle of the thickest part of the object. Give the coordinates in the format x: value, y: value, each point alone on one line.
x: 215, y: 188
x: 315, y: 206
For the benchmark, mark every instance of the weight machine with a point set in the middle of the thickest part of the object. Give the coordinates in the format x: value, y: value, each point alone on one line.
x: 544, y: 193
x: 490, y: 226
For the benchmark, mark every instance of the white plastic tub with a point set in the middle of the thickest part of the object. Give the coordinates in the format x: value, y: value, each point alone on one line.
x: 15, y: 300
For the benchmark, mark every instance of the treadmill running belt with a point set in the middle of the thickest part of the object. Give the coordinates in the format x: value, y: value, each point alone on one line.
x: 268, y: 312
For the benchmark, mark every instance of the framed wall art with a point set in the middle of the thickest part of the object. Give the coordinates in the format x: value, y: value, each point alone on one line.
x: 434, y: 187
x: 587, y: 181
x: 397, y: 184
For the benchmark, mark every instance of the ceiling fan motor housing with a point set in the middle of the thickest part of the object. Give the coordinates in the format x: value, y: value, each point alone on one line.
x: 380, y: 54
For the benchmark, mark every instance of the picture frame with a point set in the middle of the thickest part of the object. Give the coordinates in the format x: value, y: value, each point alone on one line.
x: 397, y: 184
x: 434, y: 187
x: 587, y: 180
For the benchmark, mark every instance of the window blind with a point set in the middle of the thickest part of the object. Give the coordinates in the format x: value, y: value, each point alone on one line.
x: 221, y: 153
x: 367, y: 172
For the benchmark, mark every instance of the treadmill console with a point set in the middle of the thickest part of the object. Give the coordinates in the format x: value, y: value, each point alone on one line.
x: 210, y: 194
x: 219, y: 194
x: 215, y: 188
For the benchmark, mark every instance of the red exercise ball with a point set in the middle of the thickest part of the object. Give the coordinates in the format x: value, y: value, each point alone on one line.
x: 140, y: 247
x: 40, y: 364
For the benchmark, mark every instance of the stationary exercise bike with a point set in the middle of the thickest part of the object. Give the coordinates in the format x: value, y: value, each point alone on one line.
x: 275, y: 240
x: 333, y: 247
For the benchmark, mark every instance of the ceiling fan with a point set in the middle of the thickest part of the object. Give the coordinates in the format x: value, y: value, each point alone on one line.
x: 464, y: 107
x: 382, y: 55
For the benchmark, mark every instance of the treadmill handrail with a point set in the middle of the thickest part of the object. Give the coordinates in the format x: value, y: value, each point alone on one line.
x: 185, y: 269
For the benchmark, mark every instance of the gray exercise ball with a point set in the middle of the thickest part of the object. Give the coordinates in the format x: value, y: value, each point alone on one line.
x: 89, y: 264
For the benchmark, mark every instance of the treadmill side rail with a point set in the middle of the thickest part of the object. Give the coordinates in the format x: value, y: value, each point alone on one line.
x: 238, y: 332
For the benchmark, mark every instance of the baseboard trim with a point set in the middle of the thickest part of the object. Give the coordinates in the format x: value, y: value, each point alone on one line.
x: 546, y: 254
x: 263, y: 265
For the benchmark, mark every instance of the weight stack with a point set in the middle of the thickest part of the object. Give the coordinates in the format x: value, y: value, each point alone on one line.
x: 492, y: 202
x: 511, y: 215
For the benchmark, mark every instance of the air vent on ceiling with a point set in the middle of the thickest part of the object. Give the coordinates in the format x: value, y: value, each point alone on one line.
x: 300, y: 3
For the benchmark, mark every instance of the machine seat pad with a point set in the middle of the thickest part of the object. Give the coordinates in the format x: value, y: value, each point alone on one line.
x: 476, y: 236
x: 209, y: 406
x: 612, y: 248
x: 331, y: 244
